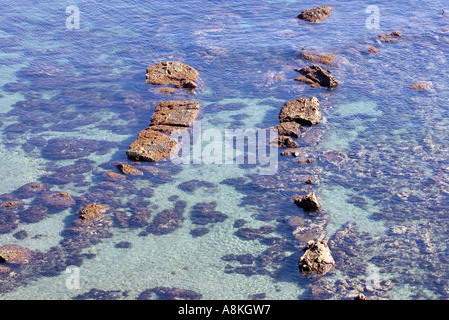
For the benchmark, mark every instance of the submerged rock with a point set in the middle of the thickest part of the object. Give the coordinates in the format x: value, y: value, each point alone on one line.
x: 58, y: 200
x: 308, y: 202
x: 173, y: 73
x: 72, y: 148
x: 165, y: 293
x: 205, y: 213
x: 152, y: 146
x: 317, y: 14
x: 326, y: 59
x: 317, y: 76
x: 168, y: 220
x: 304, y: 111
x: 316, y: 258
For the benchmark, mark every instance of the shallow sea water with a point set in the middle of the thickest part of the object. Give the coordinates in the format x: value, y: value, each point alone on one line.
x: 380, y: 164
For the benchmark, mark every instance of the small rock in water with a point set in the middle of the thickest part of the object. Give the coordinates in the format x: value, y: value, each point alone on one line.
x: 175, y: 73
x: 304, y: 111
x: 128, y: 169
x: 317, y: 76
x: 317, y: 14
x: 308, y: 202
x: 317, y: 258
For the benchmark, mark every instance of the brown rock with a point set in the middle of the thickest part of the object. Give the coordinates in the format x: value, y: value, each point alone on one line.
x: 115, y: 175
x: 418, y: 86
x: 316, y: 75
x: 175, y: 73
x: 12, y: 203
x: 93, y: 211
x: 308, y: 202
x: 324, y: 59
x: 289, y: 128
x: 304, y: 111
x: 152, y: 146
x: 168, y: 129
x: 16, y: 254
x: 317, y: 258
x: 167, y: 90
x: 317, y: 14
x: 372, y: 49
x: 175, y: 113
x: 285, y: 142
x: 128, y: 169
x: 392, y: 37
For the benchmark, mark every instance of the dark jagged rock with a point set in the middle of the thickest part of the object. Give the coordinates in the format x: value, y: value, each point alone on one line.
x: 289, y: 128
x: 317, y: 76
x: 173, y: 73
x: 284, y: 142
x: 317, y: 14
x: 316, y: 258
x: 308, y: 202
x: 304, y: 111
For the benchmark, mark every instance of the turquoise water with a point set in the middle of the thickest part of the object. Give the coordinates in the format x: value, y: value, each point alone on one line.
x: 380, y: 165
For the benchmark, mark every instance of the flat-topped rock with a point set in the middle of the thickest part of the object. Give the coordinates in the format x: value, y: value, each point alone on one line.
x: 173, y: 73
x: 305, y: 111
x: 315, y: 15
x: 175, y: 113
x: 93, y: 211
x: 152, y: 145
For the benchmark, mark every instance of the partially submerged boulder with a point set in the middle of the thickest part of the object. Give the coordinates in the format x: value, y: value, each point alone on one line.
x: 93, y: 211
x: 173, y: 73
x: 308, y: 202
x: 128, y: 169
x: 289, y: 128
x: 14, y: 253
x: 327, y: 59
x: 152, y: 145
x: 317, y: 76
x: 316, y: 258
x: 305, y: 111
x: 317, y: 14
x: 392, y: 37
